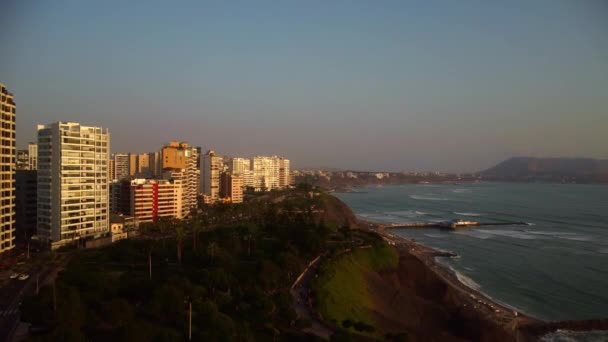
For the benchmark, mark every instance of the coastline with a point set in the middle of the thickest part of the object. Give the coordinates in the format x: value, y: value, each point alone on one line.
x: 471, y: 303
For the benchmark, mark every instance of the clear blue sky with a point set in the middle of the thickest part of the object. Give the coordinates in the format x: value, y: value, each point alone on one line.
x: 378, y: 85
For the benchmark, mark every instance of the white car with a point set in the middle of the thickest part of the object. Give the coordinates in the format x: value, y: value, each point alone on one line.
x: 14, y: 275
x: 24, y: 276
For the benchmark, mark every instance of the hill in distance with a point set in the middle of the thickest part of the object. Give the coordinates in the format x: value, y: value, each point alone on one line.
x: 584, y: 170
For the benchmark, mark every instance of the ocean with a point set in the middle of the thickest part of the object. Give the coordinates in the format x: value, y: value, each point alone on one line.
x: 556, y: 268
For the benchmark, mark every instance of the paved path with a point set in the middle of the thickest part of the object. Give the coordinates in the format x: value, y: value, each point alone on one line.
x: 300, y: 291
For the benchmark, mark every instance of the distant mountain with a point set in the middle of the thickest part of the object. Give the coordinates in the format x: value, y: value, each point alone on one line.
x: 549, y: 169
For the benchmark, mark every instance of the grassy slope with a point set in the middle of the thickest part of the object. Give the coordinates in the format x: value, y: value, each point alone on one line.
x: 341, y: 289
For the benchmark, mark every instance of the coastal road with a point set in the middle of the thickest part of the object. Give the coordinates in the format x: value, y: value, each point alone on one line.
x: 300, y: 290
x: 12, y: 294
x: 10, y: 300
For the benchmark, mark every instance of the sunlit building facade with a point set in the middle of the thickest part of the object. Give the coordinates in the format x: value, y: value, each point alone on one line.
x: 7, y: 169
x: 73, y: 201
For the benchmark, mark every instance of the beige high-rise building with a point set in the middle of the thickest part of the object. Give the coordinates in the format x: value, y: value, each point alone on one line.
x: 174, y: 155
x: 231, y: 187
x: 212, y: 165
x: 151, y: 199
x: 143, y: 164
x: 32, y: 150
x: 7, y: 169
x: 132, y: 164
x: 180, y: 163
x: 73, y: 201
x: 284, y: 173
x: 111, y: 170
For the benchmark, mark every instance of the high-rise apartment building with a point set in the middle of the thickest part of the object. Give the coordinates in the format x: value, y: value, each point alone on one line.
x: 155, y: 163
x: 121, y: 166
x: 210, y: 175
x: 284, y: 173
x: 242, y: 166
x: 132, y: 164
x: 151, y: 199
x: 265, y: 173
x: 73, y: 201
x: 239, y: 165
x: 23, y: 160
x: 271, y: 173
x: 179, y: 162
x: 7, y: 169
x: 25, y: 203
x: 143, y: 164
x: 174, y: 155
x: 32, y: 150
x: 111, y: 170
x: 231, y: 187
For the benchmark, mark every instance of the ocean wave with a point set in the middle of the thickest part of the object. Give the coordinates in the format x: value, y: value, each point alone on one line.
x: 435, y: 236
x: 428, y: 198
x: 420, y: 212
x: 467, y: 214
x: 575, y: 336
x: 509, y: 233
x: 459, y: 191
x: 474, y: 234
x: 603, y: 251
x: 576, y: 238
x: 468, y: 282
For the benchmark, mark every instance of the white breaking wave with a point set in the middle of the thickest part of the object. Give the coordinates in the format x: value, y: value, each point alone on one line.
x: 468, y: 282
x: 458, y: 191
x: 575, y: 336
x: 467, y: 214
x: 428, y: 198
x: 420, y: 212
x: 508, y: 233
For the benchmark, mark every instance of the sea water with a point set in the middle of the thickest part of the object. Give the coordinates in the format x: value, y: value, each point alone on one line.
x: 556, y: 268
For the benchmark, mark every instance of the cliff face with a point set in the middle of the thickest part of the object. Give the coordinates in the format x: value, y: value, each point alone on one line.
x: 337, y: 212
x: 551, y: 169
x: 415, y: 300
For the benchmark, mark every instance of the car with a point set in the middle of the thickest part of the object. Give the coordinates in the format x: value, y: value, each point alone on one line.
x: 24, y: 276
x: 14, y: 275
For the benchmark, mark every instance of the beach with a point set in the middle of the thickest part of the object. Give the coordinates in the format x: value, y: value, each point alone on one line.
x: 465, y: 312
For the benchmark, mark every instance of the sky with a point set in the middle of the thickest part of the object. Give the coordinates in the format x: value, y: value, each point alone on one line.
x: 386, y: 85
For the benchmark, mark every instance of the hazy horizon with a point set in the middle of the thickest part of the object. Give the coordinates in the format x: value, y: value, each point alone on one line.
x: 416, y: 86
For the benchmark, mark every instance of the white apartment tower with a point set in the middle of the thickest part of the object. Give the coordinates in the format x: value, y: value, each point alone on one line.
x: 265, y: 173
x: 212, y: 166
x: 73, y: 201
x: 32, y: 149
x: 242, y: 166
x: 7, y: 170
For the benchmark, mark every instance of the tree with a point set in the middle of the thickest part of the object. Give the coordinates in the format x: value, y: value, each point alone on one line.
x: 211, y: 247
x: 197, y: 227
x: 180, y: 233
